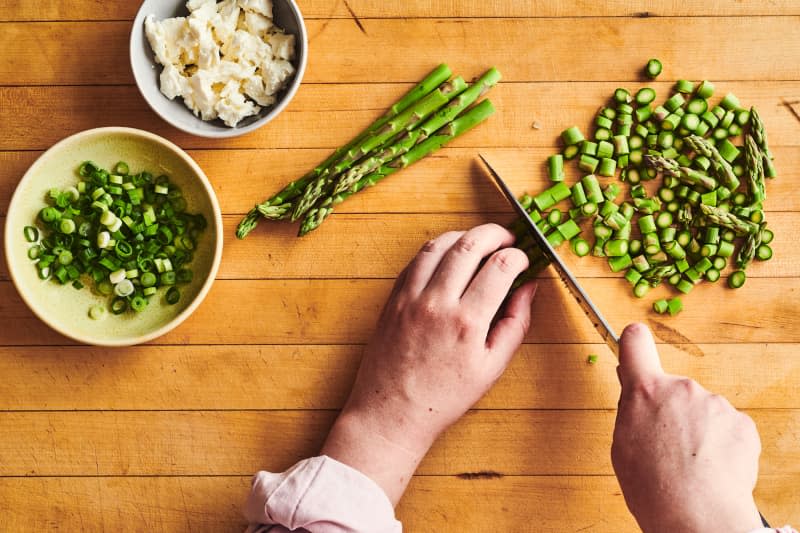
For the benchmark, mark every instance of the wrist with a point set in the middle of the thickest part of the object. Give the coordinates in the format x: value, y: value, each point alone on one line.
x: 373, y: 448
x: 740, y: 518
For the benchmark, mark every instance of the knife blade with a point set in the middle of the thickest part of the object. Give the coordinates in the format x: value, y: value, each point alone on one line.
x: 588, y: 307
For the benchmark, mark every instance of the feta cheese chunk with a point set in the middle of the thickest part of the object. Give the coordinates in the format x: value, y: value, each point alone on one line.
x: 256, y: 24
x: 173, y: 83
x: 282, y: 45
x: 207, y: 48
x: 203, y: 93
x: 164, y: 37
x: 255, y: 89
x: 194, y: 5
x: 275, y: 73
x: 262, y: 7
x: 232, y: 106
x: 225, y: 21
x: 247, y: 49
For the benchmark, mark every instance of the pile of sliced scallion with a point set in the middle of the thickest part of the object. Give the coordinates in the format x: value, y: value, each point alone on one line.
x: 672, y: 192
x: 128, y: 234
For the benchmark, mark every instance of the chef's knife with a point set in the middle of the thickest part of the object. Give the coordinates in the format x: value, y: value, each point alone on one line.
x: 566, y: 276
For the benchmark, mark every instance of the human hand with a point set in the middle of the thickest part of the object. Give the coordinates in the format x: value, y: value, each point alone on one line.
x: 685, y: 458
x: 438, y: 348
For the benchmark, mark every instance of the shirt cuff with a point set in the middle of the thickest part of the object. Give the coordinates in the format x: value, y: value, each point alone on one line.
x: 319, y: 495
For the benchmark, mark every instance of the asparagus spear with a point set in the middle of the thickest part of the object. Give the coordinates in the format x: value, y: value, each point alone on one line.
x: 722, y: 169
x: 439, y: 119
x: 755, y: 169
x: 406, y: 120
x: 450, y: 131
x: 685, y: 174
x: 663, y: 164
x: 438, y: 76
x: 757, y: 129
x: 718, y: 217
x: 695, y: 177
x: 685, y: 215
x: 760, y: 135
x: 748, y: 250
x: 656, y: 274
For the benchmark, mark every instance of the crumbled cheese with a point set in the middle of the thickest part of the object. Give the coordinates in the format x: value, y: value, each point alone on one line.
x: 254, y: 88
x: 248, y: 49
x: 256, y: 24
x: 172, y: 82
x: 226, y: 60
x: 275, y: 73
x: 164, y: 37
x: 282, y: 45
x: 225, y: 20
x: 262, y: 7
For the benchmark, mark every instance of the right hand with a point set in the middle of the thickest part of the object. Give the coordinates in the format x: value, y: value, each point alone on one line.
x: 686, y: 460
x: 444, y: 337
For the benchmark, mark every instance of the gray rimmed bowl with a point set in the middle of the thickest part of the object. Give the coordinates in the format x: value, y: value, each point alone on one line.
x: 146, y: 71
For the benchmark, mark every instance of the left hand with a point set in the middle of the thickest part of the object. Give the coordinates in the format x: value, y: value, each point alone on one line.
x: 438, y: 348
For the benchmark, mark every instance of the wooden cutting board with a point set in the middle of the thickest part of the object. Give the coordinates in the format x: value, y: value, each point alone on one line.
x: 164, y: 437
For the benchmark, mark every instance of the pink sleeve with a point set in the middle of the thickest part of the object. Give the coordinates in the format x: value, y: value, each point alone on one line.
x: 319, y: 495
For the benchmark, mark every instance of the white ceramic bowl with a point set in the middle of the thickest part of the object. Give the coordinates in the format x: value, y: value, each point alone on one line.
x: 64, y: 308
x: 146, y: 71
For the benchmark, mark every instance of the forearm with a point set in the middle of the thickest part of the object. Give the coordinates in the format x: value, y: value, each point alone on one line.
x: 360, y: 443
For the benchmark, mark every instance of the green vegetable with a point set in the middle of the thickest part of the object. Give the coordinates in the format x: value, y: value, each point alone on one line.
x: 579, y: 247
x: 591, y: 359
x: 660, y: 306
x: 675, y: 306
x: 572, y: 136
x: 653, y: 68
x: 471, y: 118
x: 431, y: 114
x: 736, y: 279
x: 556, y: 167
x: 31, y: 233
x: 96, y: 234
x: 701, y: 214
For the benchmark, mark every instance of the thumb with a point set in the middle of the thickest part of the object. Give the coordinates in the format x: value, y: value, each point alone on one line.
x: 638, y: 357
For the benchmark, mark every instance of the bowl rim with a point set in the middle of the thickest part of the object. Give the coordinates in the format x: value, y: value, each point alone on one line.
x: 275, y: 110
x: 218, y: 242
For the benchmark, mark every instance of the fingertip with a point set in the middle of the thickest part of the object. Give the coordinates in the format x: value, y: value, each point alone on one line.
x: 638, y: 356
x: 636, y: 328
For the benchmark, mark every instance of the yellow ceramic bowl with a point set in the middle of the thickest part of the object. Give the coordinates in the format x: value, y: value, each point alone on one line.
x: 64, y: 308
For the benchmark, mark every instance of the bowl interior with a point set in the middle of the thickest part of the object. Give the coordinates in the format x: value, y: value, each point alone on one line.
x: 146, y: 71
x: 64, y: 308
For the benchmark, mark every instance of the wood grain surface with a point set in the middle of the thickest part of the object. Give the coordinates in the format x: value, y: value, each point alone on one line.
x: 164, y: 436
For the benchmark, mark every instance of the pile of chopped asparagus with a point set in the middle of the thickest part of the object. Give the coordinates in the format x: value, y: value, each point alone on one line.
x: 672, y: 192
x: 430, y: 115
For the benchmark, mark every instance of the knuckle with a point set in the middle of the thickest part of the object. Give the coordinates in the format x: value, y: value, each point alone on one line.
x: 429, y: 246
x: 464, y: 324
x: 426, y: 310
x: 439, y: 244
x: 687, y: 384
x: 642, y: 389
x: 509, y: 260
x: 466, y: 244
